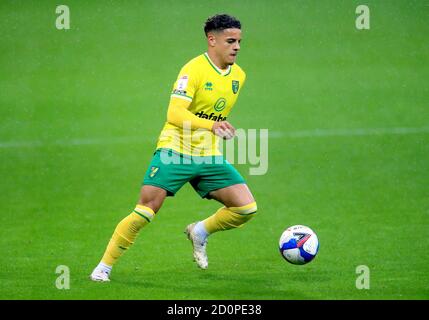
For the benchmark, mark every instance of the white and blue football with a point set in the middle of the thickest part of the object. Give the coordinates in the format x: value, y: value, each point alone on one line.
x: 298, y: 244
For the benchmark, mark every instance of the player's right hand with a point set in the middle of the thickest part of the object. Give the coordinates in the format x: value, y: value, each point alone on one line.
x: 223, y: 129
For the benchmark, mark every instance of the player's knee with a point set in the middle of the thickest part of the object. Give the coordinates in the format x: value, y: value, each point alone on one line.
x: 248, y: 209
x: 152, y: 197
x: 152, y: 204
x: 244, y: 213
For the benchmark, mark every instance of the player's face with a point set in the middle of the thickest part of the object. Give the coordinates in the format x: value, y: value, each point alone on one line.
x: 227, y: 45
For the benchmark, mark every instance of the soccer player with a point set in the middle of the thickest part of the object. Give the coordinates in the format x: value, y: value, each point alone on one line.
x: 203, y: 95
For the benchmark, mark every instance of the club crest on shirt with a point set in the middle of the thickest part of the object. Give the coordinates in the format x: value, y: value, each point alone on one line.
x: 153, y: 171
x: 235, y: 86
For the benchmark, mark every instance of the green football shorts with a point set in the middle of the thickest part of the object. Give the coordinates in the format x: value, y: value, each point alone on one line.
x: 170, y: 170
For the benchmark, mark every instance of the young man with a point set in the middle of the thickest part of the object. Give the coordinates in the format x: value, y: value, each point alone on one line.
x: 187, y: 151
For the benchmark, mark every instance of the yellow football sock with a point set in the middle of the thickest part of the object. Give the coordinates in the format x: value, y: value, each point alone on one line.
x: 126, y: 233
x: 229, y: 218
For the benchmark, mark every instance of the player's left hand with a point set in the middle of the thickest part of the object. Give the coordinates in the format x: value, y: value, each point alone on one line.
x: 224, y: 130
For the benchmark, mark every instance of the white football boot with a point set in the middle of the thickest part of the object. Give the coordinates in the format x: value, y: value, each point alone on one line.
x: 100, y: 275
x: 199, y: 245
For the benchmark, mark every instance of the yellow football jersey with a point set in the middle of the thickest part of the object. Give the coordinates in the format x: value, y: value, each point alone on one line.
x: 212, y: 93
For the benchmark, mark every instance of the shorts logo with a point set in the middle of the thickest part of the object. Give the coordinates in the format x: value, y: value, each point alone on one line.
x: 235, y: 86
x: 153, y: 171
x: 220, y: 104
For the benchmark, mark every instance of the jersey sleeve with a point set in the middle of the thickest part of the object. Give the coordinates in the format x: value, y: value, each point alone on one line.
x: 186, y: 84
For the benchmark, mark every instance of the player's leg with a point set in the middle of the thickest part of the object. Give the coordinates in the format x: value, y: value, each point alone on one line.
x: 239, y: 207
x: 237, y: 195
x: 222, y: 182
x: 151, y: 199
x: 161, y: 180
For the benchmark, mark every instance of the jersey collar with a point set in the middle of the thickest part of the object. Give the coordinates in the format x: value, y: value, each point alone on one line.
x: 218, y: 70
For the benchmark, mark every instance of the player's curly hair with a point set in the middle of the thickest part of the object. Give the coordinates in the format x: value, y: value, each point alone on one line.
x: 221, y: 22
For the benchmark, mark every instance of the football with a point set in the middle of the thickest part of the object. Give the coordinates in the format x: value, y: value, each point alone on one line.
x: 298, y: 244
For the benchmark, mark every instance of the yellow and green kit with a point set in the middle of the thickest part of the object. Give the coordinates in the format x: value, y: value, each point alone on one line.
x: 188, y: 154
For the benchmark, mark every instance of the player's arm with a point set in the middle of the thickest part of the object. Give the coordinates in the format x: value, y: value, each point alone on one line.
x: 178, y: 114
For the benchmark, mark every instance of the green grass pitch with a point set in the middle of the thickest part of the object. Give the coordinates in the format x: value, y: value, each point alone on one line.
x: 80, y: 111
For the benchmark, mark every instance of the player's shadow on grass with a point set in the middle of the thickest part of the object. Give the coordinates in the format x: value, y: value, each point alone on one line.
x: 203, y: 284
x: 317, y: 276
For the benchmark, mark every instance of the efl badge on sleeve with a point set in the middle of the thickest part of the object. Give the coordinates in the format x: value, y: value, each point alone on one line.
x: 182, y: 83
x: 235, y: 86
